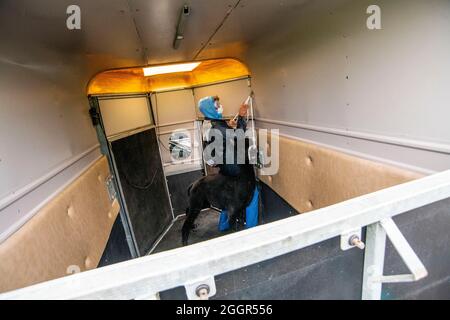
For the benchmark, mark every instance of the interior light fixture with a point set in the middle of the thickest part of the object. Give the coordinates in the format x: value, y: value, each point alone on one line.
x: 171, y: 68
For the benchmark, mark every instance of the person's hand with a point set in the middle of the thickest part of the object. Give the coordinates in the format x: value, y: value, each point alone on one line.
x: 232, y: 123
x: 243, y: 110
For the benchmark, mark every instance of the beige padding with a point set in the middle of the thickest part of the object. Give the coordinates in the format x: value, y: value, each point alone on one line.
x: 68, y: 234
x: 311, y: 177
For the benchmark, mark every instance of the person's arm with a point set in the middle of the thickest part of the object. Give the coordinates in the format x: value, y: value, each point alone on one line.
x: 240, y: 123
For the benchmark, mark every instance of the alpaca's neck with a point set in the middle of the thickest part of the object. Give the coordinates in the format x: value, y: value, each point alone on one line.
x: 247, y: 171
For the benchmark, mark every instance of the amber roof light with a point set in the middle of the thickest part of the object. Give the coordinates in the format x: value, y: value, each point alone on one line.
x: 146, y: 79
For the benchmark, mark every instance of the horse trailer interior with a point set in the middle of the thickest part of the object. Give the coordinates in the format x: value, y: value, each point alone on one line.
x: 102, y: 140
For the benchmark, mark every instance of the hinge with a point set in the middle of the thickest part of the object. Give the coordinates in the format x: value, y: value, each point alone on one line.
x: 111, y: 188
x: 95, y: 116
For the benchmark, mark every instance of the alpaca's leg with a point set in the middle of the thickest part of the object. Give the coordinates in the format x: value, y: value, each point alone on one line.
x: 191, y: 215
x: 236, y: 218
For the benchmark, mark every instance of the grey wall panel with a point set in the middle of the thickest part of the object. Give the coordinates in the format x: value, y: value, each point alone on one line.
x: 44, y: 71
x: 231, y: 94
x: 325, y: 68
x: 410, y: 158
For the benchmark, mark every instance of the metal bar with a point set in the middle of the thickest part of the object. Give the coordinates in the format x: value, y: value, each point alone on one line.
x: 201, y: 85
x: 154, y: 296
x: 109, y: 96
x: 177, y: 162
x: 164, y: 133
x: 106, y: 149
x: 199, y: 126
x: 162, y: 271
x: 405, y: 251
x: 373, y: 261
x: 128, y: 133
x: 102, y: 96
x: 158, y: 141
x: 415, y: 144
x: 161, y: 237
x: 395, y: 278
x: 169, y: 124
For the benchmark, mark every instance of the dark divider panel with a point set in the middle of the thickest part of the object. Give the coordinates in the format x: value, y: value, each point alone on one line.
x: 141, y: 177
x: 178, y: 187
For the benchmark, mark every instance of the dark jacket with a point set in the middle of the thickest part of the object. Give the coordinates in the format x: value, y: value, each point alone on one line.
x: 229, y: 169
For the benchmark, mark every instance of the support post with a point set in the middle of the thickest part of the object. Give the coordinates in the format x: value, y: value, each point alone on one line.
x: 373, y: 261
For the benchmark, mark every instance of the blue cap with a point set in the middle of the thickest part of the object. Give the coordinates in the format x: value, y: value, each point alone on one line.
x: 207, y: 106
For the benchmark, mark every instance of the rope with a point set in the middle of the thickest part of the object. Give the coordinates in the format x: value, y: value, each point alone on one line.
x: 144, y: 187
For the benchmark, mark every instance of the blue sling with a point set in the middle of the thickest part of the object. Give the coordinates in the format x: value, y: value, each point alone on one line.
x: 251, y: 214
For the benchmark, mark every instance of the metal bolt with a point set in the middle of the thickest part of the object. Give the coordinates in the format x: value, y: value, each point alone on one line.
x: 356, y: 242
x: 202, y: 291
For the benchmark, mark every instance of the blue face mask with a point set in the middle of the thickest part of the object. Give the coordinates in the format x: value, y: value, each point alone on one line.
x: 209, y: 109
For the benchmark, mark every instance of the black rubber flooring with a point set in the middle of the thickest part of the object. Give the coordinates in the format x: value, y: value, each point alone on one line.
x: 207, y: 228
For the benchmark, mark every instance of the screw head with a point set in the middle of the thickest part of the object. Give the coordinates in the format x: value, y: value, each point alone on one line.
x: 356, y: 242
x: 202, y: 291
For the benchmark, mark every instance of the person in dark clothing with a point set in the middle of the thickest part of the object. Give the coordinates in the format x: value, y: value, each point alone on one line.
x: 212, y: 110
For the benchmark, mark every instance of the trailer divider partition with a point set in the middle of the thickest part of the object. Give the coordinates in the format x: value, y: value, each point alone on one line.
x: 195, y: 266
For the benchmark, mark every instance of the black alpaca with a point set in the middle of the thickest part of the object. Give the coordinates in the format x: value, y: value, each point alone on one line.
x: 231, y: 193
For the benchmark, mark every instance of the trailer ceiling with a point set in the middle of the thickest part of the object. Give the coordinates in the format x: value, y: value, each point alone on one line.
x: 122, y: 33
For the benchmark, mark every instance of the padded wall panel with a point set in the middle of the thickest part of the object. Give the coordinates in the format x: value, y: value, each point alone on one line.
x: 142, y: 180
x: 70, y: 232
x: 311, y: 177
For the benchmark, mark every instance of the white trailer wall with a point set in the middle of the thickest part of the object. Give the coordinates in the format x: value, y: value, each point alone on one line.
x: 383, y: 94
